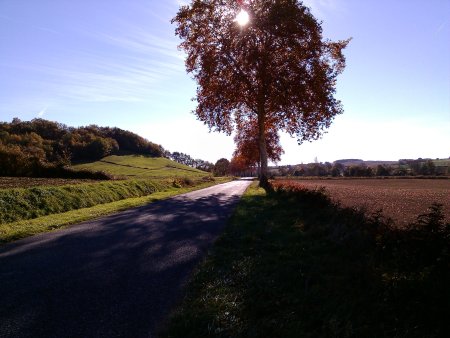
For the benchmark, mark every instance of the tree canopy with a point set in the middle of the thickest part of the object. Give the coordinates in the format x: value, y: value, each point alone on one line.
x: 188, y: 160
x: 27, y: 148
x: 222, y: 167
x: 276, y: 69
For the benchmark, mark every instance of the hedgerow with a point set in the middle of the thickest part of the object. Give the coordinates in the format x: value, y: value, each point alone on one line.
x: 21, y: 204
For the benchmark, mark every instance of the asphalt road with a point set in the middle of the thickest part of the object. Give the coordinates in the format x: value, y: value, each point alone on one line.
x: 117, y: 276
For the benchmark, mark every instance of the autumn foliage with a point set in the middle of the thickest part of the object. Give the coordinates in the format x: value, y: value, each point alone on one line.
x: 277, y: 70
x: 246, y: 140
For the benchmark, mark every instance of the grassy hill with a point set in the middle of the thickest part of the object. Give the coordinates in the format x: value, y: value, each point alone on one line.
x: 139, y: 166
x: 46, y: 204
x: 37, y: 148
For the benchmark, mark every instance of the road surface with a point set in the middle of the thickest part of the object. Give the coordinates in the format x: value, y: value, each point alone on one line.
x: 117, y: 276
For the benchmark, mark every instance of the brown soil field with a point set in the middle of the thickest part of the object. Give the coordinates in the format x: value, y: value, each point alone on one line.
x: 400, y: 199
x: 27, y: 182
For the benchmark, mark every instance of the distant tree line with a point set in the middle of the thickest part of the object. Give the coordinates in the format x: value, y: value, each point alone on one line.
x: 241, y: 166
x: 186, y: 159
x: 420, y: 167
x: 221, y: 168
x: 37, y: 147
x: 338, y: 169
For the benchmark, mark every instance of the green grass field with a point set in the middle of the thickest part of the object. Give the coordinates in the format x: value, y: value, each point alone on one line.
x: 138, y: 166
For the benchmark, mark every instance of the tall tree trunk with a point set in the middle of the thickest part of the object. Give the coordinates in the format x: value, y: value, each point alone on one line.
x: 263, y: 178
x: 263, y: 175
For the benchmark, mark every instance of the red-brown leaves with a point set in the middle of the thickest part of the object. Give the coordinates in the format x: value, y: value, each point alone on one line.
x: 276, y: 68
x: 247, y: 142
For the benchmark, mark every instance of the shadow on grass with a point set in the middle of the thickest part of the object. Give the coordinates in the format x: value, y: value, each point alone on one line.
x: 294, y: 264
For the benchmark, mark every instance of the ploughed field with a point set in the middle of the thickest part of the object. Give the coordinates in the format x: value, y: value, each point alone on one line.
x: 401, y: 199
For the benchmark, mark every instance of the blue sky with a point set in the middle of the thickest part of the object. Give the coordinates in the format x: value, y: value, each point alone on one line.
x: 115, y: 63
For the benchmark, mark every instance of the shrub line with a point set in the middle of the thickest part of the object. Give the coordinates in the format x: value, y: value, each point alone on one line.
x: 24, y: 228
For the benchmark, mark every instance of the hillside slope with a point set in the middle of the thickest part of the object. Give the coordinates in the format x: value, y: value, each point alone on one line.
x: 138, y: 166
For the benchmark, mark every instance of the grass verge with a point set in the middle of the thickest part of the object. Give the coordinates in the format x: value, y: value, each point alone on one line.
x: 297, y: 265
x: 24, y: 228
x: 22, y: 204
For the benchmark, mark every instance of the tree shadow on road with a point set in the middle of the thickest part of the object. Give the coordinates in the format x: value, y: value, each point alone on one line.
x: 117, y: 276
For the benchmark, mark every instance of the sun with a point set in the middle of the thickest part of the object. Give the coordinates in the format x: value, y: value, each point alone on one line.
x: 242, y: 18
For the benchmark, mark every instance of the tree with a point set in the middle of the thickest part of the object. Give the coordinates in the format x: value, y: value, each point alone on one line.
x: 100, y: 147
x: 276, y: 69
x: 247, y: 147
x: 337, y: 169
x: 239, y: 166
x: 415, y: 166
x: 204, y: 165
x: 222, y: 167
x: 383, y: 170
x: 428, y: 168
x: 360, y: 170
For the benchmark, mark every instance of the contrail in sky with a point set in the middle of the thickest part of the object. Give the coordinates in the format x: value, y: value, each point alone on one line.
x: 42, y: 112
